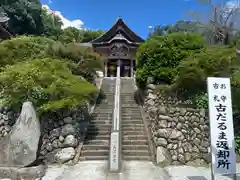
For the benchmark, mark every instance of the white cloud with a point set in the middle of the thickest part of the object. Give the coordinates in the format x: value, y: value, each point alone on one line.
x: 77, y: 23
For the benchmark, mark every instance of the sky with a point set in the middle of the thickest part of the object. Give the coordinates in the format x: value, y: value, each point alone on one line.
x: 138, y: 14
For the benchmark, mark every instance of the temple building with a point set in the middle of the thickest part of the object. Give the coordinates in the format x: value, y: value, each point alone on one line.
x: 117, y: 48
x: 4, y: 31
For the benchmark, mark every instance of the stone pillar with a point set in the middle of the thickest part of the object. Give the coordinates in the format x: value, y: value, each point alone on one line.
x: 131, y: 68
x: 118, y: 67
x: 106, y: 68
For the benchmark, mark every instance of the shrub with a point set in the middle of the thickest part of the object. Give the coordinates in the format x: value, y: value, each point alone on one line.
x: 83, y: 61
x: 22, y: 48
x: 48, y: 83
x: 210, y: 62
x: 158, y: 57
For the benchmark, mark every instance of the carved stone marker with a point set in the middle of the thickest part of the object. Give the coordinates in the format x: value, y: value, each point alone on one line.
x: 19, y: 147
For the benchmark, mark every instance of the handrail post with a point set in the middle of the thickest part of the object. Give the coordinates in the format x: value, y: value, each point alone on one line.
x: 115, y: 139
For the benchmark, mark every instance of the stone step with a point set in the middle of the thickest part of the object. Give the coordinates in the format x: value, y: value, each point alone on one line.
x: 137, y: 158
x: 95, y: 147
x: 129, y: 106
x: 97, y: 141
x: 97, y: 137
x: 135, y: 153
x: 134, y: 137
x: 104, y: 112
x: 135, y: 147
x: 140, y: 132
x: 133, y: 129
x: 134, y: 142
x: 89, y: 152
x: 131, y: 114
x: 102, y: 122
x: 103, y: 116
x: 93, y: 158
x: 132, y: 121
x: 99, y: 128
x: 101, y: 132
x: 131, y: 125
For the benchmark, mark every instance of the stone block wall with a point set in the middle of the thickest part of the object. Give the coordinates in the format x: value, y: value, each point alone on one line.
x: 61, y: 134
x: 180, y: 135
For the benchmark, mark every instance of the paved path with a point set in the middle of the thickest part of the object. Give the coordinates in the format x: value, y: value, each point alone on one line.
x: 97, y: 170
x: 134, y: 170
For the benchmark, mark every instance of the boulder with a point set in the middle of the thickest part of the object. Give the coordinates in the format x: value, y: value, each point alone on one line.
x: 64, y: 155
x: 70, y: 141
x: 19, y: 148
x: 163, y: 157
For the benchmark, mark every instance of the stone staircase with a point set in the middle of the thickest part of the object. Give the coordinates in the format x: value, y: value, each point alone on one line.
x: 96, y: 144
x: 134, y: 138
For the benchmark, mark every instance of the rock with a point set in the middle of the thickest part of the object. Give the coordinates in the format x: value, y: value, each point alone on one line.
x: 64, y: 155
x: 67, y: 129
x: 55, y: 132
x: 162, y: 117
x: 162, y: 110
x: 163, y: 133
x: 181, y: 158
x: 197, y: 130
x: 151, y: 86
x: 187, y: 156
x: 163, y: 124
x: 20, y: 146
x: 161, y: 142
x: 49, y: 147
x: 163, y: 156
x: 55, y: 144
x: 152, y: 96
x: 179, y: 126
x: 61, y: 138
x: 175, y: 134
x: 70, y: 141
x: 68, y: 120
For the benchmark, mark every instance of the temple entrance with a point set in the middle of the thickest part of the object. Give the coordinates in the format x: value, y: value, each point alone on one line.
x: 125, y: 69
x: 112, y: 68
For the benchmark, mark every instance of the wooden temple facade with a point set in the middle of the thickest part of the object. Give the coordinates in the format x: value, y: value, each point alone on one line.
x: 117, y: 48
x: 4, y: 31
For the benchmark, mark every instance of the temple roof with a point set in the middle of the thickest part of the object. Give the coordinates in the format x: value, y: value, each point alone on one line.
x: 3, y: 19
x: 119, y: 31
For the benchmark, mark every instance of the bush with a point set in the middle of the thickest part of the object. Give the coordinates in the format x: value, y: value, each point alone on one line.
x: 158, y: 57
x: 48, y: 83
x: 22, y: 48
x: 83, y: 61
x: 210, y: 62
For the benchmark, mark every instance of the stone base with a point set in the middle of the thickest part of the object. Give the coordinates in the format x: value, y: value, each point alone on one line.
x: 27, y: 173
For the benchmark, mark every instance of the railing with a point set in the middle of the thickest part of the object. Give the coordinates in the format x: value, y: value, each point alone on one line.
x: 115, y: 142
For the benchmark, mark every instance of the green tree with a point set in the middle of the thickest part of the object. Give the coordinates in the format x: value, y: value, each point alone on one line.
x: 25, y: 16
x: 159, y: 57
x: 89, y: 35
x: 52, y: 24
x: 48, y: 83
x: 71, y: 35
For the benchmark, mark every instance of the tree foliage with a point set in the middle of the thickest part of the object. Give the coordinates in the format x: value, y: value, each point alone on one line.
x: 158, y: 57
x: 23, y: 48
x: 25, y: 16
x: 48, y: 83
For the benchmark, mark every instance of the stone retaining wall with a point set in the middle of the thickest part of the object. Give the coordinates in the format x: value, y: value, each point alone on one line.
x: 61, y: 131
x: 180, y: 135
